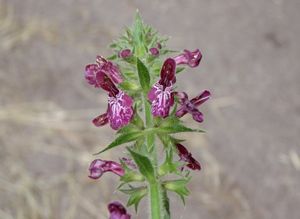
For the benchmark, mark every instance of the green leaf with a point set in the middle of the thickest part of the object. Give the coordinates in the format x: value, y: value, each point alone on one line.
x: 173, y: 125
x: 136, y: 195
x: 131, y: 86
x: 176, y: 129
x: 128, y: 129
x: 144, y: 165
x: 137, y: 120
x: 144, y: 76
x: 132, y: 176
x: 123, y: 138
x: 166, y: 204
x: 178, y: 186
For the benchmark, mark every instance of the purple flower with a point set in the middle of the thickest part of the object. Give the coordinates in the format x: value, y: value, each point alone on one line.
x: 117, y: 211
x: 125, y: 53
x: 110, y: 69
x: 190, y: 106
x: 187, y: 157
x: 154, y: 51
x: 102, y: 65
x: 189, y: 58
x: 160, y: 95
x: 119, y: 111
x: 98, y: 167
x: 90, y: 74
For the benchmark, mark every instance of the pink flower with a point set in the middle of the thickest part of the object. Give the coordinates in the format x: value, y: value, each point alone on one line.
x: 98, y: 167
x: 160, y: 95
x: 117, y: 211
x: 190, y: 106
x: 119, y: 110
x: 187, y: 157
x: 125, y: 53
x: 109, y: 68
x: 189, y: 58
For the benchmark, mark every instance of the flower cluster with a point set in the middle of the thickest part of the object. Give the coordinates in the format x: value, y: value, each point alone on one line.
x: 119, y: 111
x: 142, y: 62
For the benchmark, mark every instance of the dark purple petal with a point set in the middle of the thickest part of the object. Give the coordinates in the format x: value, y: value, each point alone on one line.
x: 197, y: 115
x: 201, y: 98
x: 125, y: 53
x: 159, y: 46
x: 187, y: 157
x: 90, y: 74
x: 120, y: 110
x: 114, y: 72
x: 161, y: 100
x: 189, y: 58
x: 109, y: 69
x: 117, y: 211
x: 183, y: 153
x: 98, y: 167
x: 101, y: 120
x: 154, y: 51
x: 193, y: 164
x: 167, y: 73
x: 105, y: 83
x: 188, y: 106
x: 181, y: 112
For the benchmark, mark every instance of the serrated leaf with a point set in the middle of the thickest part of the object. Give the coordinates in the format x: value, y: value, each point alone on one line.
x: 130, y: 128
x: 178, y: 186
x: 177, y: 128
x: 144, y: 165
x: 123, y: 138
x: 132, y: 176
x: 136, y: 196
x: 144, y: 76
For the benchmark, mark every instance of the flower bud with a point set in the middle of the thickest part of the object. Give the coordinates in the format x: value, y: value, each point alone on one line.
x: 125, y: 53
x: 154, y: 51
x: 117, y: 211
x: 98, y: 167
x: 189, y: 58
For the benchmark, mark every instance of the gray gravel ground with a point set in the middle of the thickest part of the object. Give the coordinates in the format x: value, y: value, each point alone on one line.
x: 250, y: 154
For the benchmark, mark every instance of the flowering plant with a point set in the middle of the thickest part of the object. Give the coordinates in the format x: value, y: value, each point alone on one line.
x: 144, y: 105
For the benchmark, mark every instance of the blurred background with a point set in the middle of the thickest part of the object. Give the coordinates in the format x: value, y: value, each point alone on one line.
x: 250, y: 153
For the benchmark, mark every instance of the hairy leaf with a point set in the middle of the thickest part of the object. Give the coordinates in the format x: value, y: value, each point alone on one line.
x: 144, y: 165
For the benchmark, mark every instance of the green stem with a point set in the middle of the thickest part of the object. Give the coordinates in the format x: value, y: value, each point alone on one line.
x: 154, y: 186
x: 155, y: 200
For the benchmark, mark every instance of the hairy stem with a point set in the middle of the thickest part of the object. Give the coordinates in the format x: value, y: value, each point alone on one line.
x: 154, y: 186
